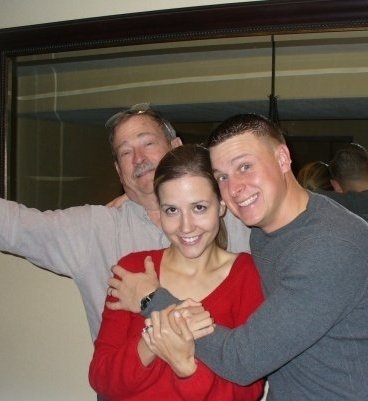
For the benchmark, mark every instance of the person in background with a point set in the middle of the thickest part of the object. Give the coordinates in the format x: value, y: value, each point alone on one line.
x: 196, y: 265
x: 349, y: 169
x: 310, y: 335
x: 349, y: 178
x: 344, y: 180
x: 315, y: 176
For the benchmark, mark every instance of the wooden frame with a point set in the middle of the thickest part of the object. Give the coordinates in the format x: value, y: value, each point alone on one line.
x: 251, y: 18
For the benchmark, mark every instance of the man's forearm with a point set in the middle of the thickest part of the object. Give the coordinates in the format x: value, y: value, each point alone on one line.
x: 204, y: 346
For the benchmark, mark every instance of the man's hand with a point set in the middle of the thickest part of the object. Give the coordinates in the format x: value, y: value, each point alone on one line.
x: 132, y: 287
x: 117, y: 202
x: 192, y: 314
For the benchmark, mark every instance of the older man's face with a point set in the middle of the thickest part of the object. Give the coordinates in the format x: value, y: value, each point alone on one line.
x: 139, y: 144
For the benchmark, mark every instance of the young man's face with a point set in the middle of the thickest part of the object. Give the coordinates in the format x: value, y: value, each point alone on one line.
x: 250, y: 173
x: 139, y: 144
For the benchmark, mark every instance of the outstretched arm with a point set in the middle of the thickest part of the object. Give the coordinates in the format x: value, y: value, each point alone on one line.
x: 60, y: 241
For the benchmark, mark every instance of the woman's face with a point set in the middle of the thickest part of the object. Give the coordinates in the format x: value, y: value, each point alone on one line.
x: 190, y: 212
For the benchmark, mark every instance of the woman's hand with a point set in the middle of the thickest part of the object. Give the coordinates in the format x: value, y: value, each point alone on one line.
x: 171, y: 340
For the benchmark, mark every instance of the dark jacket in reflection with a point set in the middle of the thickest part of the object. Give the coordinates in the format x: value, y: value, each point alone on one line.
x: 356, y: 202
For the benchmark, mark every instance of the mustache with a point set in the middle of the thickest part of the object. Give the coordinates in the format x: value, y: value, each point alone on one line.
x: 143, y: 169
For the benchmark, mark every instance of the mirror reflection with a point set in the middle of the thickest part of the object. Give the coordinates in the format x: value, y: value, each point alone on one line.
x: 62, y: 101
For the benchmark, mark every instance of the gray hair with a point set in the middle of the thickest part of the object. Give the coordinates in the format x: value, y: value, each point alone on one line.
x: 138, y: 109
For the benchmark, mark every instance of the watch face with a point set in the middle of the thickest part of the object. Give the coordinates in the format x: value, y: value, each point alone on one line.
x: 146, y: 300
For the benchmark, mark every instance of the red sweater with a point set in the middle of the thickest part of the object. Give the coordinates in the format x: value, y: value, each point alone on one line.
x: 116, y: 372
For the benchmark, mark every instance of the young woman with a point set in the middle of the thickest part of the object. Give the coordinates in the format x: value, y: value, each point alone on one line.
x: 125, y: 365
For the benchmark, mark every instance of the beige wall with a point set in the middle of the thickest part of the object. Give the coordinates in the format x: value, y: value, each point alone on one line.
x: 25, y: 12
x: 45, y: 345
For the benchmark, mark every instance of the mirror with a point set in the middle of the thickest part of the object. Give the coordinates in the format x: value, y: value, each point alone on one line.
x: 57, y: 97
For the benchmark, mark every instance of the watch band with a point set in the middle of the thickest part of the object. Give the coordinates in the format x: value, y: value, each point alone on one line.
x: 146, y: 300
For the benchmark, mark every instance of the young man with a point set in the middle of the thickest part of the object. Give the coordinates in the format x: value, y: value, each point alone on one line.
x: 310, y: 337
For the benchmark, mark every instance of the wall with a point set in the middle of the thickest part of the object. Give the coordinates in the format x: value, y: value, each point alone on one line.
x: 25, y: 12
x: 45, y: 344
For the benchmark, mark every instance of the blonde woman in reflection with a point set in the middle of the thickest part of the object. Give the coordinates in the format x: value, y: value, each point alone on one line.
x: 126, y: 365
x: 315, y: 176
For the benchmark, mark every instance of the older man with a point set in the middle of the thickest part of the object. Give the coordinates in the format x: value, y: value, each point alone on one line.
x: 84, y: 242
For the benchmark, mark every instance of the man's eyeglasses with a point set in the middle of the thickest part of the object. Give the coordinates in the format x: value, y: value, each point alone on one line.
x: 142, y: 108
x: 139, y: 108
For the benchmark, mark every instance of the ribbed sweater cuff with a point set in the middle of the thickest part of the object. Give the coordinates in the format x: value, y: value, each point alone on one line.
x: 161, y: 300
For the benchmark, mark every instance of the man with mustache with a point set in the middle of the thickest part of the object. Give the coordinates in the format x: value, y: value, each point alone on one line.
x: 84, y: 242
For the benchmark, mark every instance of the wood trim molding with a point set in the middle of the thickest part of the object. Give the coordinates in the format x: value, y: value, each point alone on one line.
x: 251, y: 18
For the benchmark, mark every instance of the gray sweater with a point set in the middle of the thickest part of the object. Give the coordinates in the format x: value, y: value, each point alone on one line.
x: 310, y: 337
x: 84, y: 242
